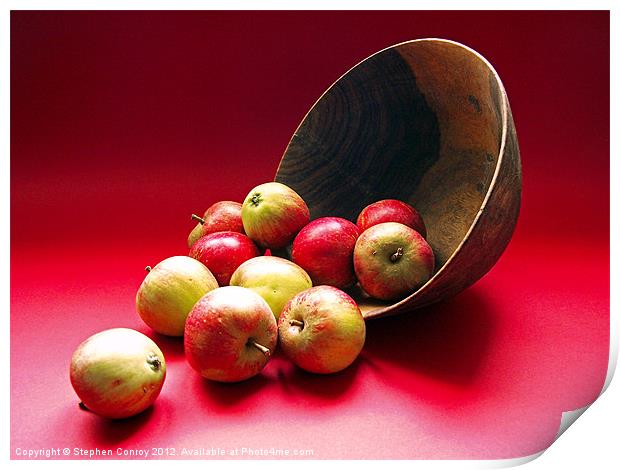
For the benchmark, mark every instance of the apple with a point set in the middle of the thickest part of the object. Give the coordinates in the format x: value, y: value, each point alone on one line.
x: 195, y: 234
x: 117, y: 373
x: 170, y: 290
x: 324, y: 248
x: 222, y: 216
x: 391, y: 210
x: 275, y: 279
x: 392, y: 260
x: 272, y: 214
x: 223, y: 253
x: 322, y: 330
x: 230, y: 334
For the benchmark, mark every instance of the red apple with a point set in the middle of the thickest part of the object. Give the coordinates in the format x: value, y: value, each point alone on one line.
x: 392, y: 260
x: 272, y: 214
x: 230, y: 334
x: 170, y: 290
x: 391, y: 210
x: 223, y: 253
x: 324, y: 248
x: 322, y: 330
x: 222, y: 216
x: 117, y: 373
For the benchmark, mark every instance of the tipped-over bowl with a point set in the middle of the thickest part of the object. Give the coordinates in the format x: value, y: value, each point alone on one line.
x: 428, y: 122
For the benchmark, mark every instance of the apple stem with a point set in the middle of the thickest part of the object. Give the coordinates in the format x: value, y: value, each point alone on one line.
x: 260, y: 347
x: 298, y: 323
x: 396, y: 256
x: 256, y: 199
x: 148, y: 269
x: 198, y: 218
x: 153, y: 361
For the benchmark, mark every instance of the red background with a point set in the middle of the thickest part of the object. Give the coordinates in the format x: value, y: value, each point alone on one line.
x: 124, y: 123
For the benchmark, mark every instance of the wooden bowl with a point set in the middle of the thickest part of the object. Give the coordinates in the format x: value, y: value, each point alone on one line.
x: 428, y: 122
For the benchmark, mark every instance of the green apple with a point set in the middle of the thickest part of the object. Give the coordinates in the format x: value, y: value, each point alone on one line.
x: 275, y: 279
x: 195, y: 234
x: 170, y: 290
x: 117, y: 373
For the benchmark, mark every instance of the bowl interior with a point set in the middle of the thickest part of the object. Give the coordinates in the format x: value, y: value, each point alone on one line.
x: 422, y: 122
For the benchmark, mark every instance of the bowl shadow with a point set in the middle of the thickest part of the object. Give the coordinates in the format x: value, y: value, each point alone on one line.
x: 447, y: 341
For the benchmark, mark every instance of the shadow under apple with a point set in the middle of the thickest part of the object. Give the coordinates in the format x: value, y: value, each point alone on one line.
x: 171, y: 346
x: 223, y: 395
x: 302, y: 385
x: 109, y: 432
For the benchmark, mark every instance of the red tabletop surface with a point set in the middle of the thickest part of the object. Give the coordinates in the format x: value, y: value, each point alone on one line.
x: 123, y: 124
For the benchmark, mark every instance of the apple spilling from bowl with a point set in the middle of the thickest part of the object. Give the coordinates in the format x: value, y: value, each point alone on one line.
x: 117, y: 373
x: 233, y: 303
x: 261, y: 272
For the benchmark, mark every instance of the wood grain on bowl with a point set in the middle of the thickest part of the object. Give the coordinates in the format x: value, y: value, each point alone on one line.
x: 427, y: 122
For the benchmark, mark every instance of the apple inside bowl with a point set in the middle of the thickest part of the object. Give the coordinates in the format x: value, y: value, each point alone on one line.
x: 427, y: 122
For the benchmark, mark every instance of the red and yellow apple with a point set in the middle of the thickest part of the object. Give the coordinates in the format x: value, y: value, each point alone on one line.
x: 275, y: 279
x: 392, y: 260
x: 117, y: 373
x: 322, y: 330
x: 222, y: 216
x: 223, y: 253
x: 230, y: 334
x: 272, y: 214
x: 324, y: 248
x: 391, y: 210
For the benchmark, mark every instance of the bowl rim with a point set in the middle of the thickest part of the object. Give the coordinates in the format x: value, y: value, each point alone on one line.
x: 380, y: 311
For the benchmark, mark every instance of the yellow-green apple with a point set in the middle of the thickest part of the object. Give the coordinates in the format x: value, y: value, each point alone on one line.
x: 230, y: 334
x: 170, y: 290
x: 222, y: 216
x: 223, y: 253
x: 324, y: 248
x: 322, y: 330
x: 272, y: 214
x: 117, y: 373
x: 275, y: 279
x: 195, y: 234
x: 391, y: 210
x: 392, y: 260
